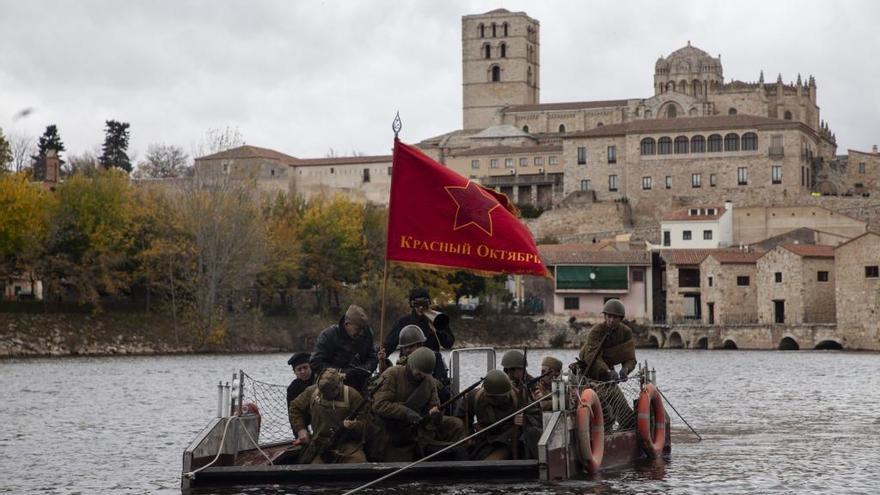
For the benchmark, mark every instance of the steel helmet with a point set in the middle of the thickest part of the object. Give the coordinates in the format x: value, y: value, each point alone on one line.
x: 513, y: 359
x: 410, y: 335
x: 496, y: 383
x: 614, y: 307
x: 422, y: 359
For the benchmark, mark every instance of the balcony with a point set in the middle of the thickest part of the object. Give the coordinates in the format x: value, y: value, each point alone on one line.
x: 776, y: 152
x: 554, y: 179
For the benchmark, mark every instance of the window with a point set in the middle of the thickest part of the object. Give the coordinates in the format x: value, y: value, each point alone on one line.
x: 647, y: 146
x: 487, y: 51
x: 539, y: 161
x: 668, y: 182
x: 731, y: 142
x: 686, y: 235
x: 496, y: 73
x: 710, y: 211
x: 776, y: 141
x: 612, y: 153
x: 582, y: 155
x: 551, y: 160
x: 562, y: 128
x: 647, y: 183
x: 742, y: 281
x: 638, y: 276
x: 698, y: 144
x: 482, y: 31
x: 503, y: 51
x: 505, y: 26
x: 861, y: 167
x: 526, y: 129
x: 695, y: 180
x: 493, y: 163
x: 585, y: 185
x: 749, y: 141
x: 390, y: 168
x: 523, y: 162
x: 715, y: 143
x: 776, y: 174
x: 688, y: 277
x: 494, y: 30
x: 667, y: 238
x: 664, y: 146
x: 822, y: 276
x: 777, y: 277
x: 681, y: 145
x: 707, y: 235
x: 366, y: 175
x: 331, y: 170
x: 731, y: 111
x: 871, y: 272
x: 572, y: 302
x: 612, y: 183
x: 711, y: 281
x: 712, y: 180
x: 671, y: 112
x: 787, y: 115
x: 508, y: 163
x: 475, y: 164
x: 742, y: 176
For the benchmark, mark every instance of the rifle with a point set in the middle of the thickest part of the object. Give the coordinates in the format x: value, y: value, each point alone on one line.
x: 452, y: 400
x: 318, y: 446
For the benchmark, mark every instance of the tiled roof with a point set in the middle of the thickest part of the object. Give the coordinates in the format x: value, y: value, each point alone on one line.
x: 875, y: 234
x: 344, y: 160
x: 684, y: 214
x: 248, y: 151
x: 810, y: 250
x: 508, y: 150
x: 705, y: 124
x: 730, y: 257
x: 560, y: 254
x: 571, y: 105
x: 685, y: 256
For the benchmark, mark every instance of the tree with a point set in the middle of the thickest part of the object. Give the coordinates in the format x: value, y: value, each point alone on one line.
x: 115, y: 149
x: 5, y: 152
x: 85, y: 163
x: 163, y: 161
x: 280, y: 276
x: 23, y: 225
x: 23, y: 149
x: 216, y: 140
x: 50, y: 140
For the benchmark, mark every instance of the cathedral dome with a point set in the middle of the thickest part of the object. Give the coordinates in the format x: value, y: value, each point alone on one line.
x: 690, y: 59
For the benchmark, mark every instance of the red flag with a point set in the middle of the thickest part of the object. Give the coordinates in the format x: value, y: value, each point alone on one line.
x: 439, y: 218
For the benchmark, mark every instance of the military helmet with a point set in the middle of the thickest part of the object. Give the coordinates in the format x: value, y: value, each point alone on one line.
x: 513, y: 359
x: 614, y: 307
x: 496, y: 383
x: 410, y: 335
x: 422, y: 359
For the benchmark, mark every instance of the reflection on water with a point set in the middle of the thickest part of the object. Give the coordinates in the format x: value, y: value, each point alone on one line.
x: 772, y: 422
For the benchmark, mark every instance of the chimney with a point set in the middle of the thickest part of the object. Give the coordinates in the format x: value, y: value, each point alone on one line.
x: 728, y: 205
x: 53, y: 166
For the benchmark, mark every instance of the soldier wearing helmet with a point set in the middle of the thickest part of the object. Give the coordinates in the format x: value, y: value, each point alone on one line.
x: 408, y: 393
x: 514, y: 364
x: 551, y: 368
x: 410, y: 339
x: 610, y: 343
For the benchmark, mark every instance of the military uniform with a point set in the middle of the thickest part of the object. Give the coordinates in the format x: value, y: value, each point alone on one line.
x: 326, y: 416
x: 398, y: 405
x: 610, y: 347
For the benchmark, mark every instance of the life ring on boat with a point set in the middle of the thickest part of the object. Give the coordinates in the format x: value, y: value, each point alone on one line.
x: 653, y: 439
x: 590, y: 431
x: 251, y: 409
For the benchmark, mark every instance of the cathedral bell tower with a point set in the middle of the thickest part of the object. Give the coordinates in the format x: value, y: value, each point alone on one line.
x: 500, y: 64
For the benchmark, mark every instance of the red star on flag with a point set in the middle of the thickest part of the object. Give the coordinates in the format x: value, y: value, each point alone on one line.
x: 474, y: 207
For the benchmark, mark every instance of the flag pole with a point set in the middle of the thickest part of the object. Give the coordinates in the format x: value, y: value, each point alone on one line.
x: 396, y: 125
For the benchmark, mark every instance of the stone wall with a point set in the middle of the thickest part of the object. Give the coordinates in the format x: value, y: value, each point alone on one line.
x: 732, y: 303
x: 790, y: 289
x: 857, y: 296
x: 819, y: 303
x: 758, y: 336
x: 581, y: 222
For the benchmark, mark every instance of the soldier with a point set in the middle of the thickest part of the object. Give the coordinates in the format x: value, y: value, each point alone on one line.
x: 551, y: 368
x: 411, y: 338
x: 325, y: 408
x: 304, y: 377
x: 485, y: 406
x: 407, y: 394
x: 347, y: 346
x: 610, y: 343
x: 514, y: 364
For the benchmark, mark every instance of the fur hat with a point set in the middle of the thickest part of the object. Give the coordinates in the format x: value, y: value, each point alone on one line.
x: 552, y: 363
x: 356, y: 315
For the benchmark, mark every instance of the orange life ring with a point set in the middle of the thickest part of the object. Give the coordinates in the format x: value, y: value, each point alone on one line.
x: 653, y: 440
x: 251, y: 409
x: 590, y: 431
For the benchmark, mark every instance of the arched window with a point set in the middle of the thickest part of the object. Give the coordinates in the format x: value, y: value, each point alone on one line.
x: 647, y: 146
x: 600, y: 124
x: 505, y: 28
x: 525, y: 128
x: 698, y: 87
x: 698, y: 144
x: 496, y: 73
x: 503, y: 50
x: 648, y: 114
x: 692, y: 112
x: 683, y: 86
x: 715, y: 143
x: 562, y: 128
x: 487, y: 51
x: 482, y: 29
x: 664, y: 145
x: 681, y: 144
x: 749, y: 141
x: 731, y: 142
x: 670, y: 86
x: 787, y: 115
x: 494, y: 32
x: 529, y: 76
x: 732, y: 111
x: 671, y: 112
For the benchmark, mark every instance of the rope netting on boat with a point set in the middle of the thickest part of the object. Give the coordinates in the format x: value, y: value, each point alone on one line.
x: 617, y: 400
x: 271, y: 401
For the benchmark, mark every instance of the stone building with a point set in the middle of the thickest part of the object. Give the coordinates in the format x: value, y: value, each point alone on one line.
x: 680, y: 286
x: 795, y: 285
x: 858, y: 291
x: 753, y: 224
x: 269, y: 170
x: 856, y: 173
x: 727, y: 287
x: 699, y: 227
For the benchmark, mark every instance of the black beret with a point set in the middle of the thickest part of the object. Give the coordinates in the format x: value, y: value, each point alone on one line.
x: 299, y: 358
x: 418, y: 293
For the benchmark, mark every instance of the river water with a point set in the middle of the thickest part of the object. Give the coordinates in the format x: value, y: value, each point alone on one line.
x: 771, y: 421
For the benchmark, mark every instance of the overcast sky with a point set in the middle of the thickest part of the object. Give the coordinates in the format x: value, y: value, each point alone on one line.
x: 306, y: 76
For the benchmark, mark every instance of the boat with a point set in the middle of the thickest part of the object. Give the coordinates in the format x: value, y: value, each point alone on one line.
x: 250, y: 441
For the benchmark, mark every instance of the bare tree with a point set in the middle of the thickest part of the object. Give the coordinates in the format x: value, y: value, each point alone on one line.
x: 216, y: 140
x: 23, y: 147
x: 86, y: 163
x: 163, y: 161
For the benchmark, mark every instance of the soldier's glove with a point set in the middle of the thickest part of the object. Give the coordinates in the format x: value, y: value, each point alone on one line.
x: 611, y: 376
x: 413, y: 417
x: 623, y: 374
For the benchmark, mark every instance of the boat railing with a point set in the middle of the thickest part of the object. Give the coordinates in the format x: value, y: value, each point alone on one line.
x: 271, y: 404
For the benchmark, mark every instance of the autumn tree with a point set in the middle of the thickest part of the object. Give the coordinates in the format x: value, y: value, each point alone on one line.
x: 114, y: 153
x: 280, y: 276
x: 86, y: 163
x: 23, y: 225
x: 164, y: 161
